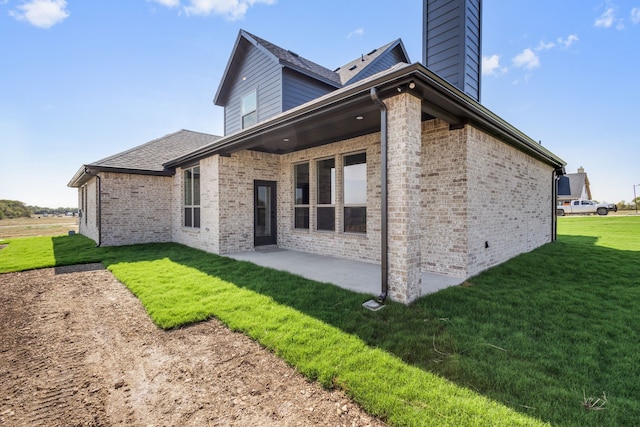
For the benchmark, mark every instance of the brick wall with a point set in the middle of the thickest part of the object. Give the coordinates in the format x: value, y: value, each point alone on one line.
x: 356, y: 246
x: 510, y: 208
x: 135, y: 209
x: 404, y: 189
x: 236, y: 179
x: 444, y: 199
x: 207, y: 236
x: 88, y: 221
x: 478, y: 191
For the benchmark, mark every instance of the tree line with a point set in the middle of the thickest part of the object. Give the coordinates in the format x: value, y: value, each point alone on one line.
x: 16, y: 209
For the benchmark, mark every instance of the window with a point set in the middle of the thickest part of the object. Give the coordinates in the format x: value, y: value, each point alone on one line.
x: 301, y: 203
x: 355, y: 193
x: 84, y: 203
x: 326, y: 200
x: 249, y: 109
x: 192, y: 197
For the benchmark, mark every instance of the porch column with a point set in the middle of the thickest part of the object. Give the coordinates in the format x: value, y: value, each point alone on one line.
x: 404, y: 195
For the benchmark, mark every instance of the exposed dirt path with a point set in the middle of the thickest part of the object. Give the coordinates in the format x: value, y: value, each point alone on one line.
x: 77, y: 348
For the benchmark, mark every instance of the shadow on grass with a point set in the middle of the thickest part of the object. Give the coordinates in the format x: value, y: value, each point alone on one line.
x: 541, y: 333
x: 76, y: 249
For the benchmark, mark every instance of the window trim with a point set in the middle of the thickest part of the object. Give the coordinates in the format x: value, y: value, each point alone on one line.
x: 344, y: 193
x: 332, y: 205
x: 195, y: 208
x: 253, y: 112
x: 297, y: 206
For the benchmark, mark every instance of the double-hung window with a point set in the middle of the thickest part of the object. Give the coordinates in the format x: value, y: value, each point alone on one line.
x: 191, y: 180
x: 326, y: 195
x: 355, y: 193
x: 249, y: 109
x: 301, y: 204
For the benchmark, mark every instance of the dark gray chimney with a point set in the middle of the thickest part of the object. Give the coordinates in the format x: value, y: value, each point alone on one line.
x: 451, y: 42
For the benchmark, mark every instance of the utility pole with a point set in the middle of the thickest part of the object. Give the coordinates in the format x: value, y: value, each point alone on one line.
x: 635, y: 199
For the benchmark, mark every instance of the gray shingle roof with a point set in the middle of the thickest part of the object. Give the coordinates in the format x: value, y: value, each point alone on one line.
x: 153, y: 154
x: 293, y: 59
x: 348, y: 71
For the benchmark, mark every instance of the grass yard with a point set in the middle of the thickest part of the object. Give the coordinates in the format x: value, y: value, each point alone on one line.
x: 549, y: 337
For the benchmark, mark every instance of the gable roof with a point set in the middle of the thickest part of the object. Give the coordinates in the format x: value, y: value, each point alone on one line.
x: 284, y: 57
x: 337, y: 78
x: 147, y: 158
x: 575, y: 186
x: 350, y: 71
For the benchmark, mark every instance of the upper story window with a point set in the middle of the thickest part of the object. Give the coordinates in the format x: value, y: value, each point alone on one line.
x: 301, y: 177
x: 326, y: 195
x: 191, y: 181
x: 355, y: 193
x: 249, y: 109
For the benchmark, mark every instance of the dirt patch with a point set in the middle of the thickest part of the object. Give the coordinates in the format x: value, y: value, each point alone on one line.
x: 77, y: 348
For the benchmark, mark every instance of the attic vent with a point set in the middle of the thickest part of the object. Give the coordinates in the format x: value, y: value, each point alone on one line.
x: 372, y: 52
x: 336, y: 69
x: 293, y: 53
x: 353, y: 67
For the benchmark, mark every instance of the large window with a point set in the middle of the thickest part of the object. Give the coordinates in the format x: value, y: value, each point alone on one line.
x: 249, y: 109
x: 326, y: 200
x: 355, y: 193
x: 301, y: 177
x: 191, y: 178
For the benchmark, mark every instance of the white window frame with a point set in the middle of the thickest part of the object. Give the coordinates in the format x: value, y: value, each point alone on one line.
x: 191, y: 219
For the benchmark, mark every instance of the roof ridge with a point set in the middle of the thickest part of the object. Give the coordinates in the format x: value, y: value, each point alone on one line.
x: 153, y: 141
x: 294, y: 59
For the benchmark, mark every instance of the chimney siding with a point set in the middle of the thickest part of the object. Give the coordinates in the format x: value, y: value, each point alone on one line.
x: 451, y: 42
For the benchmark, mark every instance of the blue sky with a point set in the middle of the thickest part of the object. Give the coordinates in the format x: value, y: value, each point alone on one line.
x: 84, y: 79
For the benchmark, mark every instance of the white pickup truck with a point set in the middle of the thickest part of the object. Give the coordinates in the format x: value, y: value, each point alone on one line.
x: 586, y: 207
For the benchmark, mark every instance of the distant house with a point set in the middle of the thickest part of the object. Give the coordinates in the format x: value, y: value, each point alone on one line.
x: 573, y: 186
x: 378, y: 161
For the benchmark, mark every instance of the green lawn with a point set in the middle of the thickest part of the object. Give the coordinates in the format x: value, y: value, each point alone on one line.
x: 541, y: 337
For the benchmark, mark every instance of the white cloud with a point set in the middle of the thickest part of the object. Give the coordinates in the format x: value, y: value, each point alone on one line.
x: 566, y: 43
x: 359, y: 32
x: 491, y: 66
x: 232, y: 9
x: 167, y: 3
x: 41, y: 13
x: 527, y: 59
x: 606, y: 19
x: 635, y: 15
x: 545, y: 46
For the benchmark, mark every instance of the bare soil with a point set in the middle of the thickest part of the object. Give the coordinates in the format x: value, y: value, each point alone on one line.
x: 52, y: 225
x: 78, y: 349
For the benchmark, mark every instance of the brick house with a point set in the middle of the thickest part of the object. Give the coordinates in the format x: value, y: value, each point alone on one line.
x: 379, y: 161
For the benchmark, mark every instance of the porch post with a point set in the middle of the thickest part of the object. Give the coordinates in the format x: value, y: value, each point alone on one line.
x: 404, y: 195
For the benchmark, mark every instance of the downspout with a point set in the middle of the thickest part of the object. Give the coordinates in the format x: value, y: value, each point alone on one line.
x: 554, y: 205
x: 99, y: 210
x: 384, y: 239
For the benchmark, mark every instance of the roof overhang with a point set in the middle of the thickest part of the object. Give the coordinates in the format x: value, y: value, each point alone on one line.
x: 86, y: 172
x: 350, y: 112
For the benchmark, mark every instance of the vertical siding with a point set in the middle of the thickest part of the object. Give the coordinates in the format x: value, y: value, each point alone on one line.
x: 263, y: 74
x: 298, y: 89
x: 382, y: 63
x: 451, y: 42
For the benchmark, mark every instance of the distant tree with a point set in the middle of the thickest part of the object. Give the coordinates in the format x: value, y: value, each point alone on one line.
x: 13, y: 209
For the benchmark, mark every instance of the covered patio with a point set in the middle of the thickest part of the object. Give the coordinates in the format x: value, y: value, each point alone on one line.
x: 357, y: 276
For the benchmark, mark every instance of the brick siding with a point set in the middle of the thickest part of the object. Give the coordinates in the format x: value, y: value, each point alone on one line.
x: 135, y: 209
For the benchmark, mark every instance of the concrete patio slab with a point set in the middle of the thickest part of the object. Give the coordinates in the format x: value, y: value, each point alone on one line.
x: 356, y: 276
